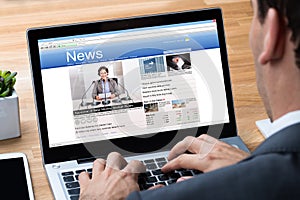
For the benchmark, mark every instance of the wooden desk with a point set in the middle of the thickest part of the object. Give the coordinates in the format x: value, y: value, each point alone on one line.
x: 16, y: 16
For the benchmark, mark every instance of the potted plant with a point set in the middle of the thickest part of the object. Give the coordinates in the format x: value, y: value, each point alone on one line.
x: 9, y: 106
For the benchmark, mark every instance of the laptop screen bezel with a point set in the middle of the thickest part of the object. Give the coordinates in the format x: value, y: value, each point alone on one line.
x: 136, y: 145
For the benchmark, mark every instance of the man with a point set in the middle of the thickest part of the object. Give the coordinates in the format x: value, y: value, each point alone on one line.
x: 273, y: 170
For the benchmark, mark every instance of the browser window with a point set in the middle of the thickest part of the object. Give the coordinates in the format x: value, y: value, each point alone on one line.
x: 161, y: 75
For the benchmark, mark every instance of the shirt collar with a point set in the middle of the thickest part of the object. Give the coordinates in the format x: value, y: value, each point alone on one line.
x: 285, y: 121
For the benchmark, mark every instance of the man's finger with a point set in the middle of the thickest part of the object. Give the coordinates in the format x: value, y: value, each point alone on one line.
x: 187, y: 161
x: 183, y: 178
x: 115, y: 161
x: 84, y: 179
x: 220, y: 147
x: 205, y: 144
x: 208, y: 138
x: 156, y: 187
x: 201, y: 145
x: 134, y: 168
x: 181, y: 147
x: 98, y: 166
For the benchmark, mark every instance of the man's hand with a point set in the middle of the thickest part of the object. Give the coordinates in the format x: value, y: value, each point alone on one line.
x: 112, y: 179
x: 207, y: 154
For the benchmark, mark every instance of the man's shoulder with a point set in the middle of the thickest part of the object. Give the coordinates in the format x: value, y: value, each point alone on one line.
x: 286, y: 140
x: 278, y: 152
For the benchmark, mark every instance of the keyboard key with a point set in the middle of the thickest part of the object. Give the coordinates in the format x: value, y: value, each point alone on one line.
x: 171, y: 181
x: 186, y: 173
x: 148, y: 161
x: 68, y: 178
x: 195, y: 172
x: 160, y: 183
x: 163, y: 177
x: 74, y: 191
x: 151, y: 179
x: 161, y: 164
x: 174, y: 175
x: 145, y: 174
x: 151, y: 166
x: 67, y: 173
x: 157, y: 172
x: 180, y: 170
x: 72, y: 185
x: 74, y: 197
x: 79, y: 171
x: 160, y: 160
x: 89, y: 170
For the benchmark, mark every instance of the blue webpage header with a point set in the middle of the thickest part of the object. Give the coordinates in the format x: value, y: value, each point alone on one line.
x: 111, y: 49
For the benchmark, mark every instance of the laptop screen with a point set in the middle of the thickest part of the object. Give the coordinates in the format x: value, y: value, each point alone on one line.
x: 131, y: 78
x: 162, y: 82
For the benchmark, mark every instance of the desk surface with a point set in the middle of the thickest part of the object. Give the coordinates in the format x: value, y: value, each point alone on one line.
x: 17, y: 16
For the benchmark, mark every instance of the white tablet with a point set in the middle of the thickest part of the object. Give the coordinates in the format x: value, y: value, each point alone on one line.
x: 15, y: 177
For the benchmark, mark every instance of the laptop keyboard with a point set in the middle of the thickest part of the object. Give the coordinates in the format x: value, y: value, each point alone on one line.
x: 152, y: 177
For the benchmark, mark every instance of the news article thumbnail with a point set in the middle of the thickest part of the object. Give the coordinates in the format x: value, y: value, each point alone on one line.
x: 152, y: 67
x: 151, y: 107
x: 178, y: 104
x: 178, y: 62
x: 84, y: 78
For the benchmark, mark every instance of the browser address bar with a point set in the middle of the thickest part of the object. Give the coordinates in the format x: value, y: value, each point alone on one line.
x: 150, y: 34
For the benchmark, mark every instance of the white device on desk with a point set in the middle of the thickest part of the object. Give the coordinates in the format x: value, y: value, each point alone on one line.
x: 15, y: 177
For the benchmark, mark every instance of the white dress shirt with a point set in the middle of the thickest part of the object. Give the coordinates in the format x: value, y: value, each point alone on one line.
x: 285, y: 121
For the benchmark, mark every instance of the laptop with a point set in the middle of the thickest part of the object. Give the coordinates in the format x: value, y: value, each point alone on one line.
x: 173, y: 82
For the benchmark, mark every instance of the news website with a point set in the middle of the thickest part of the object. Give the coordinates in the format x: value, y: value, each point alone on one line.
x: 157, y: 79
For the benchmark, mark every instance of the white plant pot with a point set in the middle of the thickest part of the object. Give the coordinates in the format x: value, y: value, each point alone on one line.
x: 9, y: 117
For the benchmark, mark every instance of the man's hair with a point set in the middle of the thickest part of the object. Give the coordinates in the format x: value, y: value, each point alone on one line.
x: 102, y: 68
x: 289, y: 9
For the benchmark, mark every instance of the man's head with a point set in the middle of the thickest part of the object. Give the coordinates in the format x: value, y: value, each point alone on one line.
x: 288, y: 9
x: 275, y: 43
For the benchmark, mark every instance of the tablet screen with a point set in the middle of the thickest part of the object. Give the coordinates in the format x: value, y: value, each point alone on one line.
x: 13, y: 183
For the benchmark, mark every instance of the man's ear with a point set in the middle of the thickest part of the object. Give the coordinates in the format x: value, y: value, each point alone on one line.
x: 274, y: 39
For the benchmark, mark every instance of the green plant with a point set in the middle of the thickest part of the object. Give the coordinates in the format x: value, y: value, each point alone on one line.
x: 7, y: 82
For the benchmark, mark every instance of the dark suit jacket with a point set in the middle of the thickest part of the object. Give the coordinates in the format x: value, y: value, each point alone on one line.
x: 271, y: 172
x: 113, y: 88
